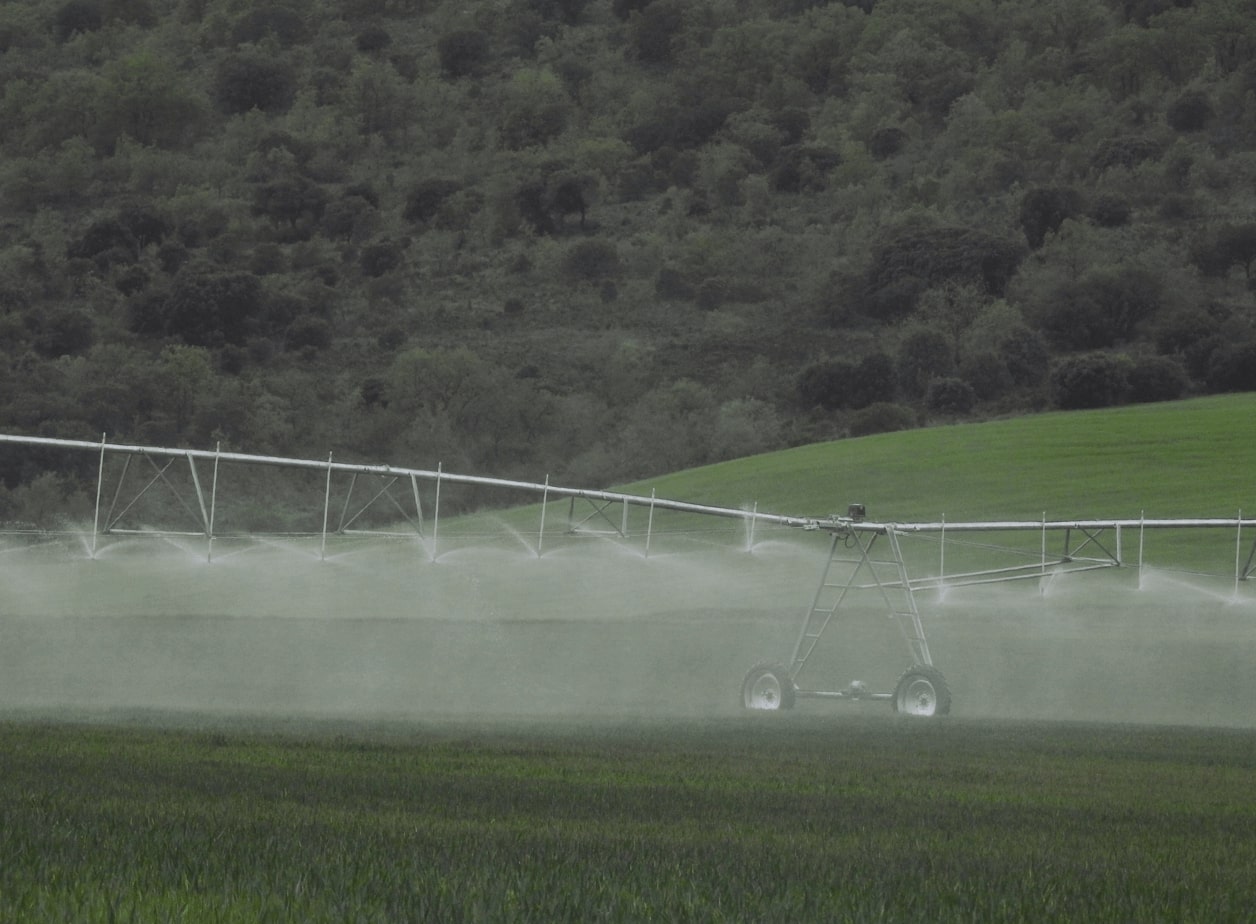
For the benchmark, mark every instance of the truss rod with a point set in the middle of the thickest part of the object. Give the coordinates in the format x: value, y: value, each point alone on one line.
x: 833, y: 522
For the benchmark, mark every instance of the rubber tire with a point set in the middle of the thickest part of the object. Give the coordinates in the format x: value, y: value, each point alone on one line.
x: 922, y: 691
x: 767, y: 687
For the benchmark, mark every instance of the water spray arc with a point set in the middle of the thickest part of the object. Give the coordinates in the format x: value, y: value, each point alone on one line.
x: 864, y: 560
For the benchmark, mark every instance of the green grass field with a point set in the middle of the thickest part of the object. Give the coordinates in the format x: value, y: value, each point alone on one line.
x: 502, y: 737
x: 782, y: 818
x: 1185, y: 459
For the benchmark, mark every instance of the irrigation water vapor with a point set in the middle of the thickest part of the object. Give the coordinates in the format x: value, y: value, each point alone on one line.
x: 377, y: 628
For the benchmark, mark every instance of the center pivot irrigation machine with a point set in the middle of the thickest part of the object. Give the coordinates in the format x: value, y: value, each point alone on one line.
x: 864, y: 561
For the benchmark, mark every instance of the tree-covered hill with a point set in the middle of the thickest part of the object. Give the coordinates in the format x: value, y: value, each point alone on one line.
x: 608, y: 238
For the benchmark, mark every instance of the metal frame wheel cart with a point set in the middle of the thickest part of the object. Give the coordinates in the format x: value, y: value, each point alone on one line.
x: 862, y: 557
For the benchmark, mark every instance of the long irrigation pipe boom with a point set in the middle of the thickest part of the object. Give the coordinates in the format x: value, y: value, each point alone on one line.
x: 852, y: 521
x: 438, y: 475
x: 865, y: 556
x: 843, y: 525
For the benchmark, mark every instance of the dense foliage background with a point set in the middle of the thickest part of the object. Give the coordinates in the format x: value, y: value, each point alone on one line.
x: 602, y: 239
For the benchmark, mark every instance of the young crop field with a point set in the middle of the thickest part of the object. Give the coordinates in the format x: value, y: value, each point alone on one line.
x: 816, y: 817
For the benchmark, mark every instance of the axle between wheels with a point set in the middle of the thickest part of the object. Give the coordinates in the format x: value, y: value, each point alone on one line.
x: 920, y: 691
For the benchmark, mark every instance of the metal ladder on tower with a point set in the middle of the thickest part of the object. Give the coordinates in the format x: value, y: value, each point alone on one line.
x: 850, y: 567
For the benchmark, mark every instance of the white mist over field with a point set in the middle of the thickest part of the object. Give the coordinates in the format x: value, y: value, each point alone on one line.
x: 589, y: 627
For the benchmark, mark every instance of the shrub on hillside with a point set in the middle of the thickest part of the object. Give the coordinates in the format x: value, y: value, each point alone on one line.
x: 309, y: 333
x: 1157, y: 378
x: 204, y: 308
x: 290, y: 201
x: 250, y: 80
x: 345, y: 216
x: 76, y: 17
x: 671, y: 284
x: 932, y: 254
x: 1103, y: 308
x: 1229, y: 246
x: 1026, y: 355
x: 1187, y: 333
x: 923, y: 355
x: 264, y: 23
x: 1090, y: 380
x: 425, y: 200
x: 372, y: 39
x: 950, y: 395
x: 653, y: 33
x: 887, y: 141
x: 1126, y: 151
x: 102, y: 235
x: 63, y: 332
x: 839, y: 383
x: 381, y: 257
x: 681, y: 127
x: 462, y: 52
x: 1044, y: 208
x: 882, y: 417
x: 876, y: 379
x: 592, y: 259
x: 986, y: 374
x: 533, y: 109
x: 1110, y: 211
x: 824, y: 384
x: 1190, y: 112
x: 623, y: 9
x: 1232, y: 367
x: 145, y: 225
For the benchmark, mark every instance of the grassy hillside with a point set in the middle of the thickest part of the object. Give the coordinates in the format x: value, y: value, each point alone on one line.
x: 1187, y: 458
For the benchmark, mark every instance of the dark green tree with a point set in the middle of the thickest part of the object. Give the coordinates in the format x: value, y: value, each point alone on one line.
x: 380, y: 257
x: 1190, y: 112
x: 916, y: 255
x: 1090, y: 380
x: 1157, y: 378
x: 425, y: 200
x: 986, y: 373
x: 592, y: 259
x: 1230, y: 246
x: 1232, y: 367
x: 273, y: 22
x: 372, y: 39
x: 949, y: 395
x: 101, y: 236
x: 76, y: 17
x: 308, y: 333
x: 534, y: 109
x: 463, y: 52
x: 1104, y: 308
x: 882, y: 417
x: 63, y: 331
x: 247, y: 80
x: 655, y: 31
x: 924, y: 355
x: 825, y: 384
x: 568, y: 198
x: 1026, y: 355
x: 887, y: 141
x: 293, y: 201
x: 1044, y: 208
x: 148, y: 100
x: 205, y: 308
x: 623, y: 9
